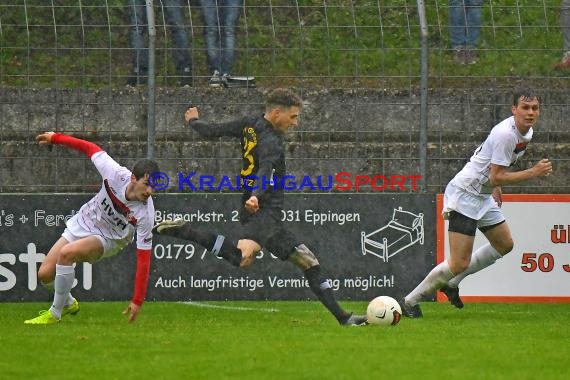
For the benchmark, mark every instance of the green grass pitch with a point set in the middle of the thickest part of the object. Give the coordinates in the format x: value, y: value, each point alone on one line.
x: 285, y: 340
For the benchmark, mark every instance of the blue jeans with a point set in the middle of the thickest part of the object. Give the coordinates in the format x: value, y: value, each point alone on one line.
x: 173, y: 11
x: 565, y: 23
x: 220, y: 19
x: 464, y: 22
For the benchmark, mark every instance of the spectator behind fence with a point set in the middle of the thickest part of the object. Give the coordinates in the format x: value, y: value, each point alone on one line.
x: 173, y: 12
x: 464, y: 27
x: 220, y: 19
x: 565, y: 27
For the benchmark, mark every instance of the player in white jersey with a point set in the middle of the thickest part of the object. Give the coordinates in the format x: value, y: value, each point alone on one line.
x: 102, y: 227
x: 472, y: 201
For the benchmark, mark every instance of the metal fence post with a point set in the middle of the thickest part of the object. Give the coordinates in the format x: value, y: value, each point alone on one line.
x: 423, y: 94
x: 151, y: 80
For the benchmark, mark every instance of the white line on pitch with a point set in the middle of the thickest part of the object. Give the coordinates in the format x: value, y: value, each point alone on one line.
x: 200, y: 304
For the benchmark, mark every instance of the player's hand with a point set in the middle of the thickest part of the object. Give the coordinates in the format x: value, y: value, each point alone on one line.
x: 45, y: 138
x: 252, y: 204
x: 191, y: 113
x: 497, y: 195
x: 543, y: 168
x: 247, y: 259
x: 132, y: 311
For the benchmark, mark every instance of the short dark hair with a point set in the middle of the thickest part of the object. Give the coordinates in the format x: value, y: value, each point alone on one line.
x: 525, y: 94
x: 143, y: 167
x: 282, y: 97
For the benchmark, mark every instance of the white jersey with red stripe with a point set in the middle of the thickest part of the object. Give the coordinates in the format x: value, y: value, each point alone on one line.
x: 109, y: 214
x: 504, y: 146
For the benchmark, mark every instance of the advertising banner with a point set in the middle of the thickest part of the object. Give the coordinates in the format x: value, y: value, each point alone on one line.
x: 538, y: 268
x: 367, y: 245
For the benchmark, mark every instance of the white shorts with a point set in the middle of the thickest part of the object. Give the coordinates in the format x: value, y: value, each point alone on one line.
x: 111, y: 247
x: 481, y: 208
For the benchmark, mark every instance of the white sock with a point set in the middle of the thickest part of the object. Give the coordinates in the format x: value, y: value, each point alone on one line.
x: 433, y: 281
x: 64, y: 276
x: 481, y: 259
x: 70, y: 300
x: 49, y: 286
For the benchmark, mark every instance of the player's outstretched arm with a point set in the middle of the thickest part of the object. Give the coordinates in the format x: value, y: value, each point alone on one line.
x: 54, y: 138
x: 252, y: 204
x: 132, y: 311
x: 231, y: 128
x: 141, y: 282
x: 191, y: 114
x: 45, y: 138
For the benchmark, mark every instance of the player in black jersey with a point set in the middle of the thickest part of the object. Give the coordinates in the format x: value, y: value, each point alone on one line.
x: 263, y: 165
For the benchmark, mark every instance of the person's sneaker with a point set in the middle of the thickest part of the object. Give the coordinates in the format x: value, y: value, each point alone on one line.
x: 238, y: 81
x: 564, y: 64
x: 355, y: 320
x: 131, y: 81
x: 216, y: 79
x: 411, y: 311
x: 135, y: 79
x: 45, y: 318
x: 459, y: 55
x: 71, y: 309
x: 225, y: 79
x: 470, y: 57
x: 452, y: 295
x: 161, y: 227
x: 185, y: 77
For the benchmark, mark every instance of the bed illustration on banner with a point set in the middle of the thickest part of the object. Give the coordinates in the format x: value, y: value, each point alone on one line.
x: 402, y: 231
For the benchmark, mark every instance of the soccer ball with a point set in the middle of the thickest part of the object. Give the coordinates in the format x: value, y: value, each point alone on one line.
x: 384, y: 310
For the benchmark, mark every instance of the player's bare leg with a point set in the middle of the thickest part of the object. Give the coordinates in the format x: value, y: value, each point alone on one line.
x: 46, y: 275
x: 460, y: 248
x: 88, y: 249
x: 248, y: 248
x: 46, y: 272
x: 500, y: 243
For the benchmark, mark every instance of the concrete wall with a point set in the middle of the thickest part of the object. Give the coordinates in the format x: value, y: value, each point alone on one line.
x: 361, y: 131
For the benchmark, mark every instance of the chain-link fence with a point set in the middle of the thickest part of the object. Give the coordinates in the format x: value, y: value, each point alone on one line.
x: 74, y: 66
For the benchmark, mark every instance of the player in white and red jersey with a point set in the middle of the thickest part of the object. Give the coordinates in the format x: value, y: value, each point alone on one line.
x: 472, y: 201
x: 102, y: 227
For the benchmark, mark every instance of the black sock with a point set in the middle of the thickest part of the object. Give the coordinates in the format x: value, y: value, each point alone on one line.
x: 223, y: 248
x: 322, y: 289
x: 216, y: 244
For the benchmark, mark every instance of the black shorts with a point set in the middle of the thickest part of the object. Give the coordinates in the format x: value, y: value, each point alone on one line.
x: 266, y: 228
x: 466, y: 225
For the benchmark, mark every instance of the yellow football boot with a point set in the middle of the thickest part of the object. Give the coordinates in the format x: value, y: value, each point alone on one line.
x: 45, y: 318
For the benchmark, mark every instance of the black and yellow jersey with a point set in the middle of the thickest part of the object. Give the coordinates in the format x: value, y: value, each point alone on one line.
x: 263, y: 155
